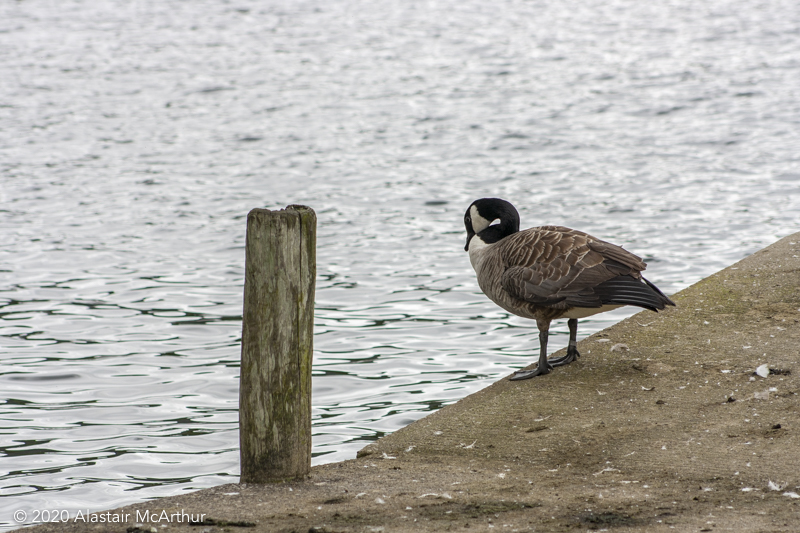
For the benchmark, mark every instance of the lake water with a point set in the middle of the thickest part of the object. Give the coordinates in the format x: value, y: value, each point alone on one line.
x: 136, y: 135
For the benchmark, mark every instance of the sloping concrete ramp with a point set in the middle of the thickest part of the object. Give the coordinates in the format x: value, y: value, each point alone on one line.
x: 662, y: 425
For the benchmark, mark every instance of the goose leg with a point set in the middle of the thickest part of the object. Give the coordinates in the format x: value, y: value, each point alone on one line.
x: 544, y: 367
x: 572, y: 349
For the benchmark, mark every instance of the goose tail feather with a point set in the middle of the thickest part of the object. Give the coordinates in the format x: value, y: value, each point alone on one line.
x: 627, y: 290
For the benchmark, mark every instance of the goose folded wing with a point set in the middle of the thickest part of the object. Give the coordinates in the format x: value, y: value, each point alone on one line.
x: 548, y: 287
x: 554, y: 266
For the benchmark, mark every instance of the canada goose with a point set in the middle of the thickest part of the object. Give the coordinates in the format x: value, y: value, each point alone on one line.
x: 551, y: 272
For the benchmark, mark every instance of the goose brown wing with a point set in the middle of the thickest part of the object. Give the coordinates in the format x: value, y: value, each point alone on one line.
x: 558, y: 266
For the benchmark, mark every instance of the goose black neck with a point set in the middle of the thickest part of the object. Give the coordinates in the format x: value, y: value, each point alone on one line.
x: 492, y: 234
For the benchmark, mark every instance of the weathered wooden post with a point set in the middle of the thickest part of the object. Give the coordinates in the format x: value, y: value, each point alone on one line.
x: 277, y: 331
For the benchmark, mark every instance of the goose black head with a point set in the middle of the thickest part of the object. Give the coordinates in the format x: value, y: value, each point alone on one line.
x: 482, y: 213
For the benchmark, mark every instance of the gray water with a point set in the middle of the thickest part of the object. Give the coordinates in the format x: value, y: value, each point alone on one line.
x: 136, y: 135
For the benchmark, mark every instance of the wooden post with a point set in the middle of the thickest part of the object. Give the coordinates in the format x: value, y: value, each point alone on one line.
x: 277, y: 331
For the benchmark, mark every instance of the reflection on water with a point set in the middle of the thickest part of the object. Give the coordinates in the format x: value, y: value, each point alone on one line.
x: 135, y: 137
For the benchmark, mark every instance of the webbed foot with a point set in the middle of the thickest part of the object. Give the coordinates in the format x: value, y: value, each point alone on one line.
x: 528, y: 374
x: 572, y: 355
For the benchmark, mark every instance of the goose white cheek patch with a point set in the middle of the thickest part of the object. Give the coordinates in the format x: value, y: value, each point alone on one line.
x: 478, y: 222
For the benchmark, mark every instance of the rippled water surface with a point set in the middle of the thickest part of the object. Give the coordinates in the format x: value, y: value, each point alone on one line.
x: 135, y: 137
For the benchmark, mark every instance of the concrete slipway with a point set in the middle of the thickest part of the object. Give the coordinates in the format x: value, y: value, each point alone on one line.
x: 662, y: 425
